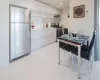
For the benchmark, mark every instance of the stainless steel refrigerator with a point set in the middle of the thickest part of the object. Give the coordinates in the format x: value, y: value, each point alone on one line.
x: 20, y: 32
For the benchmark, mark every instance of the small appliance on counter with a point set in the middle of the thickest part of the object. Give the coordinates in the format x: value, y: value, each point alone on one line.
x: 56, y: 25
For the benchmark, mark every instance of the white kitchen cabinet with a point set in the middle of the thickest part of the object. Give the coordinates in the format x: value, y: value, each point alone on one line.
x: 35, y: 44
x: 42, y: 37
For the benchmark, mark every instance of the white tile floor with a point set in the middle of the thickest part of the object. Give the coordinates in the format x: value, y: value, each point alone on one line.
x: 42, y: 64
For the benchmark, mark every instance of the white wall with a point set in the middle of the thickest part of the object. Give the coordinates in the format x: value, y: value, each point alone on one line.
x: 82, y: 25
x: 64, y: 18
x: 4, y: 32
x: 34, y: 5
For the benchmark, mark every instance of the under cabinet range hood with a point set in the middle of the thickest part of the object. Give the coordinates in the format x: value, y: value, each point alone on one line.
x: 56, y: 16
x: 20, y: 32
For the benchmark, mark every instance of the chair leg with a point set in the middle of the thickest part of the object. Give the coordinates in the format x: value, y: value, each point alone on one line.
x: 89, y: 67
x: 72, y: 61
x: 64, y: 53
x: 68, y: 60
x: 91, y: 63
x: 59, y: 57
x: 64, y: 56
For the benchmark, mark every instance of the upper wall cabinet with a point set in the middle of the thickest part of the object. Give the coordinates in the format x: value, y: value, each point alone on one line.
x: 36, y: 14
x: 48, y: 15
x: 41, y: 14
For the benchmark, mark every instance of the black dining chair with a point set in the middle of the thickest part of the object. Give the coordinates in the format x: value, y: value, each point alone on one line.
x: 65, y: 47
x: 86, y: 51
x: 59, y: 32
x: 65, y: 30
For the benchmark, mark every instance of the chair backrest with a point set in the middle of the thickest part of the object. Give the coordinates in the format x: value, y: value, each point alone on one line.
x: 65, y: 30
x: 59, y: 32
x: 92, y: 42
x: 61, y: 44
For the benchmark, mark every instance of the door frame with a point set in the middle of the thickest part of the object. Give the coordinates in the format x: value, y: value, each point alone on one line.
x: 96, y: 28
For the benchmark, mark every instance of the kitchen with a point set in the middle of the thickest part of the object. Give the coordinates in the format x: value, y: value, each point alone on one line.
x: 30, y: 52
x: 43, y: 28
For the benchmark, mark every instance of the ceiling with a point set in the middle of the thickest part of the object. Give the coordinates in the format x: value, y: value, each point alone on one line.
x: 56, y: 3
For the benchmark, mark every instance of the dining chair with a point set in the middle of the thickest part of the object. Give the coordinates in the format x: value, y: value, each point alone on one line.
x: 65, y: 30
x: 65, y: 47
x: 59, y: 32
x: 86, y: 52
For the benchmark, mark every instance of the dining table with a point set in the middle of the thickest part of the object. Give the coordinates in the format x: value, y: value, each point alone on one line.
x: 76, y: 41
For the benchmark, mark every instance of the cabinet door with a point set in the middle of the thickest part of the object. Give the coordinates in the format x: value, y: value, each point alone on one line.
x: 35, y: 44
x: 36, y: 34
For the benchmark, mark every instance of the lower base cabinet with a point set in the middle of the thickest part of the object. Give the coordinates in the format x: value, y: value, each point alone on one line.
x: 42, y: 37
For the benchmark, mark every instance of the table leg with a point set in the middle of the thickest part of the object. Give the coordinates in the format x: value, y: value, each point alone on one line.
x: 79, y: 61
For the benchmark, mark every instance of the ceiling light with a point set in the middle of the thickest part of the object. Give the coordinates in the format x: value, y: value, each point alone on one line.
x: 61, y: 3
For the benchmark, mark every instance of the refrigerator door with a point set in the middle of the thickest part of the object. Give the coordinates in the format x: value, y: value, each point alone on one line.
x: 17, y: 14
x: 20, y: 43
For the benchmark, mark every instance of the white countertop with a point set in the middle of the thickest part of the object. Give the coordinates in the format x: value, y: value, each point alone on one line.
x: 42, y: 28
